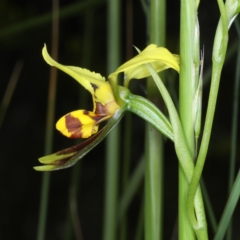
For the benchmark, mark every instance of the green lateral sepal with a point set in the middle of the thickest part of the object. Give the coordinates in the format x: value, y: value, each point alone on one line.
x: 150, y: 113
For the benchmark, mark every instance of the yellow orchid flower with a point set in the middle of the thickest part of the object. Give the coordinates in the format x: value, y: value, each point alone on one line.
x: 110, y: 101
x: 83, y: 123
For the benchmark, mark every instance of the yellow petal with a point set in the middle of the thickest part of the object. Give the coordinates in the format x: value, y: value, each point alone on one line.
x: 93, y: 82
x: 83, y: 76
x: 104, y: 94
x: 45, y: 168
x: 142, y: 71
x: 80, y: 123
x: 159, y: 57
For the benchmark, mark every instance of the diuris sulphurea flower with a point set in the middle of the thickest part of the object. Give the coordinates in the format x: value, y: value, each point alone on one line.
x: 84, y: 123
x: 110, y: 101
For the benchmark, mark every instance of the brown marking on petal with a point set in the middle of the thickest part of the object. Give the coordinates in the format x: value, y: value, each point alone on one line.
x: 95, y: 87
x: 100, y: 109
x: 80, y: 146
x: 95, y: 118
x: 98, y: 118
x: 62, y: 161
x: 86, y: 112
x: 73, y: 125
x: 77, y: 134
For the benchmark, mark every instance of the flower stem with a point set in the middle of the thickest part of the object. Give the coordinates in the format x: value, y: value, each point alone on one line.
x: 112, y: 150
x: 154, y: 140
x: 219, y: 53
x: 186, y: 94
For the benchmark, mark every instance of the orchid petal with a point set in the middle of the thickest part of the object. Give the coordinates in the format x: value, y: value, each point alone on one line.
x: 91, y: 81
x: 159, y: 57
x: 83, y: 76
x: 80, y: 123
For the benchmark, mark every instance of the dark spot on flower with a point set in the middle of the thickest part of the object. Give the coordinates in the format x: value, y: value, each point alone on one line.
x: 100, y: 109
x: 86, y: 112
x: 95, y: 87
x: 73, y: 126
x: 96, y: 118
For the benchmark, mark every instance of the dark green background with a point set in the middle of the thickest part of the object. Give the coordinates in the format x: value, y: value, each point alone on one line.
x: 22, y: 134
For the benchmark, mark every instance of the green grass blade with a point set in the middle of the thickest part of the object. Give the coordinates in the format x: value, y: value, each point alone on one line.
x: 49, y: 125
x: 209, y: 208
x: 68, y: 11
x: 154, y: 150
x: 131, y: 189
x: 234, y: 131
x: 113, y: 141
x: 229, y: 209
x: 10, y: 90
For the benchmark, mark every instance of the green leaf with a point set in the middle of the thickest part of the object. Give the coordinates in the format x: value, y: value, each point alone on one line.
x: 150, y: 113
x: 229, y: 209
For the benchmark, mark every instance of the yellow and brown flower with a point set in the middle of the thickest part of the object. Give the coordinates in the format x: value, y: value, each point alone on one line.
x: 84, y: 123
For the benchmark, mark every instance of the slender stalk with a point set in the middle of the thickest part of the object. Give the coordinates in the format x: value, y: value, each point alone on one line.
x: 209, y: 208
x: 69, y: 11
x: 126, y: 168
x: 229, y: 209
x: 154, y: 139
x: 218, y: 57
x: 232, y: 161
x: 10, y: 90
x: 186, y: 95
x: 152, y: 180
x: 73, y: 202
x: 133, y: 186
x: 50, y: 124
x: 112, y: 151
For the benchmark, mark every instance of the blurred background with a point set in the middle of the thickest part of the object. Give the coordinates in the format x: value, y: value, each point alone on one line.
x: 24, y: 27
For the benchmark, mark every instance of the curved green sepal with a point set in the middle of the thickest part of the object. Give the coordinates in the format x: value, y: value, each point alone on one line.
x: 70, y: 156
x: 150, y: 113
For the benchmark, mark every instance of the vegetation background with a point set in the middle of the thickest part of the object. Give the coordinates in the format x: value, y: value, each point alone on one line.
x: 22, y: 132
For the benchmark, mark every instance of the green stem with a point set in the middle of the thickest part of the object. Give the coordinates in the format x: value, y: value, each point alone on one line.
x: 186, y: 94
x: 209, y: 208
x: 133, y: 186
x: 233, y: 151
x: 229, y: 209
x: 126, y: 168
x: 219, y: 53
x: 189, y: 52
x: 154, y: 140
x: 50, y: 125
x: 112, y: 150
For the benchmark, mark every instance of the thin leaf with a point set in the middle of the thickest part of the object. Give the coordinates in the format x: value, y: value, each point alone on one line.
x: 229, y: 209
